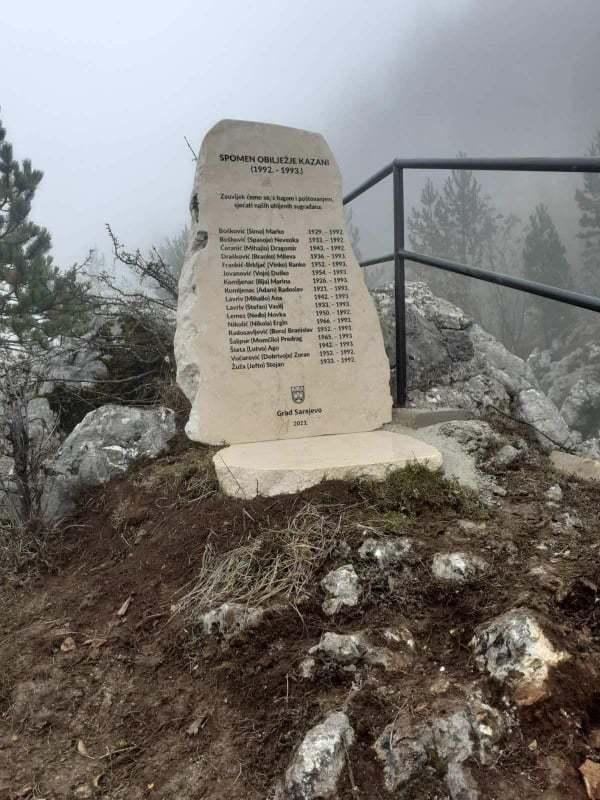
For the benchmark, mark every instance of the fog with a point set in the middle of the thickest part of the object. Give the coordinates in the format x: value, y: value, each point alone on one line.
x: 101, y: 96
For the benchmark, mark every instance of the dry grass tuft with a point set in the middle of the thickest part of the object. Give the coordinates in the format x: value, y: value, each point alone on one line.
x: 279, y: 565
x: 22, y: 546
x: 183, y: 481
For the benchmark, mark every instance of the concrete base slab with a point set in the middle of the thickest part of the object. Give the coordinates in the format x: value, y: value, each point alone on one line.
x: 288, y: 466
x: 424, y: 417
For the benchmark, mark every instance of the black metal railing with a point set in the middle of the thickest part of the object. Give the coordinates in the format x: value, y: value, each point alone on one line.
x: 400, y: 254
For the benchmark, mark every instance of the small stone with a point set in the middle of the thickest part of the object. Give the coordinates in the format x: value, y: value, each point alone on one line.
x: 468, y: 526
x: 384, y: 552
x: 440, y: 686
x: 318, y: 763
x: 345, y: 648
x: 457, y: 567
x: 567, y: 521
x: 399, y: 636
x: 500, y: 491
x: 343, y: 587
x: 68, y: 645
x: 349, y: 648
x: 83, y: 792
x: 590, y: 772
x: 230, y: 619
x: 554, y: 494
x: 307, y: 668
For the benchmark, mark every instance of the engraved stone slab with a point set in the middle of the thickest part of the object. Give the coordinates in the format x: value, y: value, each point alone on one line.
x: 277, y: 336
x: 286, y: 467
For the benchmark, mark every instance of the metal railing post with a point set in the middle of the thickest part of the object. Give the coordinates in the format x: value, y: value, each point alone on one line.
x: 399, y: 286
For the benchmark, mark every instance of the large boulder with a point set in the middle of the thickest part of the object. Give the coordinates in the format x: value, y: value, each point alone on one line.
x: 453, y: 362
x: 104, y: 444
x: 569, y: 373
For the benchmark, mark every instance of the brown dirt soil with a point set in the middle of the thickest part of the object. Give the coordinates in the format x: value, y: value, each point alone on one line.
x: 138, y: 705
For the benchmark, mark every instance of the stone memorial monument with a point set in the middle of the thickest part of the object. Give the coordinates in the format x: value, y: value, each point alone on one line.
x: 277, y: 337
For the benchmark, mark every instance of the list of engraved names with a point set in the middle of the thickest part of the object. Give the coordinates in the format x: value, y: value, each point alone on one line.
x: 270, y: 271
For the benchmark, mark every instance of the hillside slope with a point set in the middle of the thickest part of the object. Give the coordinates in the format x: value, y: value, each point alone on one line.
x: 110, y: 688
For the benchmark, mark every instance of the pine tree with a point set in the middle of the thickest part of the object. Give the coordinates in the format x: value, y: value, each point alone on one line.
x: 425, y: 224
x: 37, y: 300
x: 469, y: 221
x: 458, y: 223
x: 545, y: 261
x: 588, y: 200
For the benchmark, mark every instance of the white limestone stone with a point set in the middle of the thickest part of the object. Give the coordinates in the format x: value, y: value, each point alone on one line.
x: 277, y: 336
x: 289, y: 466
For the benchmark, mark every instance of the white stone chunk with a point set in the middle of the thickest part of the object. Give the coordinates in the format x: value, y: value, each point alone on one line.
x: 342, y: 587
x: 513, y: 648
x: 286, y: 467
x: 457, y: 567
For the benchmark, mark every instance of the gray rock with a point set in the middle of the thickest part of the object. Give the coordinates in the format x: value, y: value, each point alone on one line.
x: 342, y: 587
x: 457, y: 567
x: 581, y: 408
x: 104, y: 444
x: 554, y: 494
x: 470, y: 732
x: 506, y: 456
x: 539, y: 411
x: 568, y: 520
x: 404, y: 753
x: 454, y: 363
x: 475, y: 436
x: 318, y: 763
x: 386, y: 552
x: 570, y: 374
x: 514, y: 650
x: 345, y: 648
x: 395, y: 652
x: 451, y: 361
x: 230, y: 619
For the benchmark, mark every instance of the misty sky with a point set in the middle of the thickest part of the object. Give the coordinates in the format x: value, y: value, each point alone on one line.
x: 101, y: 95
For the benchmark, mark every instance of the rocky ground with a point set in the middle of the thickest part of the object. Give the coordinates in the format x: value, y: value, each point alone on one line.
x: 402, y: 640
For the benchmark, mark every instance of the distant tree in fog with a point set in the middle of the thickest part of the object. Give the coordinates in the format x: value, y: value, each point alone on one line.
x: 459, y: 223
x: 545, y: 261
x: 588, y: 200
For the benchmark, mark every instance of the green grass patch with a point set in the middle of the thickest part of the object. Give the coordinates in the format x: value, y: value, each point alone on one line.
x: 413, y: 489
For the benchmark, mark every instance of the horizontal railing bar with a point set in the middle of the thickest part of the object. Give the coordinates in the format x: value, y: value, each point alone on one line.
x: 504, y: 164
x: 497, y: 164
x: 520, y: 284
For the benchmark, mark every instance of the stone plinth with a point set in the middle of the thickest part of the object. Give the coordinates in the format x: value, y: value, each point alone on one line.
x: 289, y: 466
x: 277, y: 336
